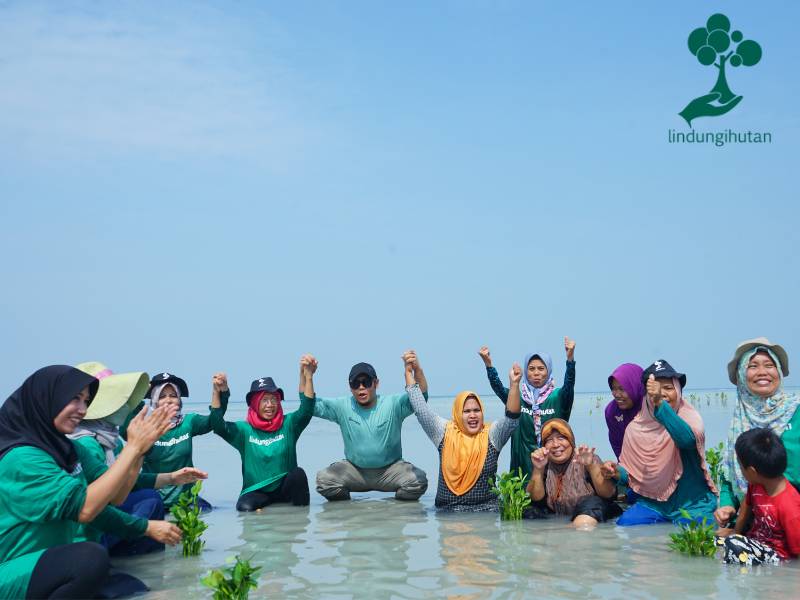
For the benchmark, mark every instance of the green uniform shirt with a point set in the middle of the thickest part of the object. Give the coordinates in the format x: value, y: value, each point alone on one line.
x: 92, y: 460
x: 557, y: 405
x: 372, y: 436
x: 692, y: 492
x: 173, y: 450
x: 266, y: 457
x: 791, y: 441
x: 39, y: 508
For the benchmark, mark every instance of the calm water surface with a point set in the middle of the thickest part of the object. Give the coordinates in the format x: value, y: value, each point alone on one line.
x: 377, y: 547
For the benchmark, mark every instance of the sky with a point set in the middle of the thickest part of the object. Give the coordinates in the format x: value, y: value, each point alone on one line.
x: 203, y: 186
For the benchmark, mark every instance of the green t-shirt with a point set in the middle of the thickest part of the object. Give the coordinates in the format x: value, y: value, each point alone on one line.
x: 692, y: 492
x: 372, y: 436
x: 39, y: 508
x: 791, y: 441
x: 173, y: 451
x: 266, y: 457
x: 92, y: 461
x: 557, y: 405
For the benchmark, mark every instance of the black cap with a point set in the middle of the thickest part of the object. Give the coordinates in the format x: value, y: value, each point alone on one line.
x: 263, y: 384
x: 165, y: 377
x: 361, y: 368
x: 662, y: 369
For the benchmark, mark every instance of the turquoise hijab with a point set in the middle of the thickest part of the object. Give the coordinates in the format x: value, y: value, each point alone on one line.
x: 753, y: 411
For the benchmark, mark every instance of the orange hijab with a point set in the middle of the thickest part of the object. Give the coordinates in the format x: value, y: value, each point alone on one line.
x: 463, y: 454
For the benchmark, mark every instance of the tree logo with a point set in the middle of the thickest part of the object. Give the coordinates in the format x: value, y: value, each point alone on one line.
x: 716, y: 45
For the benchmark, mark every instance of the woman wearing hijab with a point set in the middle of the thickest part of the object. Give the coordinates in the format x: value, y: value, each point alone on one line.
x: 628, y: 391
x: 43, y: 494
x: 468, y: 447
x: 267, y: 440
x: 663, y: 455
x: 173, y: 451
x: 757, y: 370
x: 97, y: 442
x: 541, y: 400
x: 570, y: 480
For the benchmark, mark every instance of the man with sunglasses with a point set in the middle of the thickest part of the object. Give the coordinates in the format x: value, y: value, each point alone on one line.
x: 371, y: 425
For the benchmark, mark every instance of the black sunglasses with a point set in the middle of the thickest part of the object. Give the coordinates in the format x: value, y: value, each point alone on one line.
x: 364, y: 380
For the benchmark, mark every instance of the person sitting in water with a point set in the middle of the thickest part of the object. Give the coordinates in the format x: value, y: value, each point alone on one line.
x: 541, y: 400
x: 468, y: 447
x: 173, y: 451
x: 267, y: 439
x: 97, y: 442
x: 370, y: 425
x: 628, y: 391
x: 569, y: 480
x: 771, y: 501
x: 758, y: 369
x: 44, y: 494
x: 663, y: 455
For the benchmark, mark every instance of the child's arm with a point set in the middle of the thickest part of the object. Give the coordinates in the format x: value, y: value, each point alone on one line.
x: 743, y: 516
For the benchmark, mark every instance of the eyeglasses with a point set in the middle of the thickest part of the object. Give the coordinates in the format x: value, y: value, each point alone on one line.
x: 364, y: 380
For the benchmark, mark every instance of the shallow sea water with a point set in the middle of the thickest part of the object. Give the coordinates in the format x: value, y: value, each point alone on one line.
x: 377, y: 547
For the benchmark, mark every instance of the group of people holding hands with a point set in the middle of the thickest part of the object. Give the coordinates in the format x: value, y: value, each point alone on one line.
x: 72, y: 493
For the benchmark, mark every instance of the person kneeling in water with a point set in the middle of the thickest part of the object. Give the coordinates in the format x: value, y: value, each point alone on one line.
x: 569, y: 480
x: 267, y: 440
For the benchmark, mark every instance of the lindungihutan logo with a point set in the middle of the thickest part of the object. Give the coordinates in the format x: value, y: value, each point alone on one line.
x: 715, y: 44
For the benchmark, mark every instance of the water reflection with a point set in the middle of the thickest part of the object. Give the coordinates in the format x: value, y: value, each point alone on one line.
x: 275, y: 539
x: 366, y: 547
x: 469, y: 550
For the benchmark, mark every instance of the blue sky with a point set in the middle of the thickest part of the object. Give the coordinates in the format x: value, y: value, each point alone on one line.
x: 226, y: 185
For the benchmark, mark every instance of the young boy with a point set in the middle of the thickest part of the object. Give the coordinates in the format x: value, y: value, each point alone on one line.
x: 771, y: 501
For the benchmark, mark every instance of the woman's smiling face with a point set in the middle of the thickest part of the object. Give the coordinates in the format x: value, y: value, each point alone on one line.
x: 763, y: 377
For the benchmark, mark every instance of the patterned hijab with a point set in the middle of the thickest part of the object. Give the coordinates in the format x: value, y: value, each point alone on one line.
x: 533, y: 396
x: 565, y: 484
x: 463, y: 454
x: 753, y: 411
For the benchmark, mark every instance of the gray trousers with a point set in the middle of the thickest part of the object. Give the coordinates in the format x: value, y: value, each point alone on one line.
x: 404, y: 479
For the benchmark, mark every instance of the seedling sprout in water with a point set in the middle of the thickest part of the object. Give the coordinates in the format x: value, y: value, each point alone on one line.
x: 512, y: 495
x: 232, y: 583
x: 187, y: 517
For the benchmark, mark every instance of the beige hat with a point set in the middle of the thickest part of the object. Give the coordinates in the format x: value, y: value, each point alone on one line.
x: 115, y: 391
x: 747, y: 345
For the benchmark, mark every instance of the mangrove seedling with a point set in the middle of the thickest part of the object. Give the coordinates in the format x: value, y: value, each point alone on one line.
x: 513, y: 498
x: 714, y: 458
x: 694, y: 539
x: 187, y: 517
x: 232, y: 583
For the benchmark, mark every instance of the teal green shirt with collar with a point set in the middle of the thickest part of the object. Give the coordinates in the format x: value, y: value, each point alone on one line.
x: 372, y: 436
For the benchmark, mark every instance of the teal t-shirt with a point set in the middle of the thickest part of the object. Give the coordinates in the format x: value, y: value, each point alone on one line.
x: 692, y: 492
x: 39, y: 508
x: 266, y: 456
x: 173, y: 451
x: 372, y: 436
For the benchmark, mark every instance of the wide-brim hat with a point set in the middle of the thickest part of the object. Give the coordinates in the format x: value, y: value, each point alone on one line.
x: 115, y: 391
x: 747, y: 345
x: 263, y: 384
x: 663, y: 370
x: 165, y: 377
